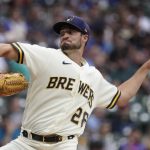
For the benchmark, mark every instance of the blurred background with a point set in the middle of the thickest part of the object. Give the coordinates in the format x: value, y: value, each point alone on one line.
x: 119, y: 44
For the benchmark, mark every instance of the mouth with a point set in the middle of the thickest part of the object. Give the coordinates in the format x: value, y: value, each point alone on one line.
x: 65, y: 45
x: 66, y: 41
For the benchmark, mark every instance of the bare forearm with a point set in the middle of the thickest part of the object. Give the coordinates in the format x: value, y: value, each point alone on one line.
x: 130, y: 87
x: 6, y: 50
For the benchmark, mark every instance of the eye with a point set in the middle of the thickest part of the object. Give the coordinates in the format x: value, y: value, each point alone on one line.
x: 62, y: 33
x: 71, y: 31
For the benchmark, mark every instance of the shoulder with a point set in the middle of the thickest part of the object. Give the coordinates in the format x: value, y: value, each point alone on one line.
x: 95, y: 70
x: 92, y: 71
x: 35, y: 47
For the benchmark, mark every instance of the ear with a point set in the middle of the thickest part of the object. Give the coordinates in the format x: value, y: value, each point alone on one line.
x: 85, y: 37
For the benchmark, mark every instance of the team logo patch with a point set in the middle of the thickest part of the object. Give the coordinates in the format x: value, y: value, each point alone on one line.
x: 70, y: 18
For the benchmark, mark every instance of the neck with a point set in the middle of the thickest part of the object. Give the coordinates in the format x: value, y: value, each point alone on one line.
x: 74, y: 55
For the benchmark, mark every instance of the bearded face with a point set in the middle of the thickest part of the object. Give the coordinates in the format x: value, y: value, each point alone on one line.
x: 70, y: 46
x: 70, y: 39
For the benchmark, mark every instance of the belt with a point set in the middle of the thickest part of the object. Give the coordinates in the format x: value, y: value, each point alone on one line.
x: 53, y: 138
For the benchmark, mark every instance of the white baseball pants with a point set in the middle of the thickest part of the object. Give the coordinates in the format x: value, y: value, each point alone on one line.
x: 22, y: 143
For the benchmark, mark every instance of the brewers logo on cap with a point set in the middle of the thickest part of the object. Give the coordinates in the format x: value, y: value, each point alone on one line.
x: 70, y: 18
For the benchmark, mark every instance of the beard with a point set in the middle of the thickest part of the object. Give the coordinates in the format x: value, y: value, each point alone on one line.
x: 66, y: 46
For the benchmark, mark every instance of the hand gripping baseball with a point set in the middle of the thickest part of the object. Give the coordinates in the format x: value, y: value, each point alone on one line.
x: 12, y: 83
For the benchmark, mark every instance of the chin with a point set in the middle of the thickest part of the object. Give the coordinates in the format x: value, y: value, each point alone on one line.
x: 65, y: 46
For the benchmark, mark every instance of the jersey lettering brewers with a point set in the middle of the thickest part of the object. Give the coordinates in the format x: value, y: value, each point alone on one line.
x: 63, y: 94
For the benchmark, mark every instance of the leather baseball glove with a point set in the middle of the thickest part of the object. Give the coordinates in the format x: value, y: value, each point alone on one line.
x: 12, y: 83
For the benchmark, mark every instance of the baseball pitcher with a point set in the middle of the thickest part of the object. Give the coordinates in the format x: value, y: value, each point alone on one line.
x: 64, y: 89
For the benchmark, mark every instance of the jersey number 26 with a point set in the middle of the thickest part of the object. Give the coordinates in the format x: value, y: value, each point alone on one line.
x: 80, y: 117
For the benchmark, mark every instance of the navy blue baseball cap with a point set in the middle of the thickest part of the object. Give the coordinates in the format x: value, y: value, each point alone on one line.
x: 74, y: 22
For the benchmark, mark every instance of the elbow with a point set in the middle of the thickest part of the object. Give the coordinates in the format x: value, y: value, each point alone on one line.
x: 122, y: 102
x: 124, y: 97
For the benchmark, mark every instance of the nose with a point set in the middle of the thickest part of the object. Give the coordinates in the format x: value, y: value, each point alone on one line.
x: 64, y: 37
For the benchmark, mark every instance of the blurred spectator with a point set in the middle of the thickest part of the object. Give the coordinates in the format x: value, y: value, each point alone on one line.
x: 8, y: 130
x: 96, y: 145
x: 123, y: 117
x: 134, y: 141
x: 15, y: 111
x: 107, y: 136
x: 4, y: 67
x: 17, y: 27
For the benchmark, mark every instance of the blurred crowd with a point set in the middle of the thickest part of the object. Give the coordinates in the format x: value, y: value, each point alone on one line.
x: 119, y: 44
